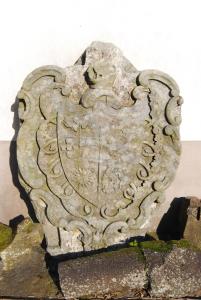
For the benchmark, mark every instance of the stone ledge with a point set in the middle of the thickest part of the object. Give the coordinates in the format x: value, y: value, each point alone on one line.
x: 149, y: 269
x: 142, y: 270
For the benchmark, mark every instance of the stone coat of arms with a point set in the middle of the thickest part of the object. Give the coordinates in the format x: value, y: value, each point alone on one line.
x: 98, y: 145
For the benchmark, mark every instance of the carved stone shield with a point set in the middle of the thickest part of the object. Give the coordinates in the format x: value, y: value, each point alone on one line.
x: 98, y: 146
x: 98, y: 150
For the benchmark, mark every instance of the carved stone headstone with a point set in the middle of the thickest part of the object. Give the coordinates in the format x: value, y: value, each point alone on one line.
x: 98, y: 146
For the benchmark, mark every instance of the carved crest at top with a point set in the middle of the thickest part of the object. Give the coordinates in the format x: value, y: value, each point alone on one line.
x: 98, y: 146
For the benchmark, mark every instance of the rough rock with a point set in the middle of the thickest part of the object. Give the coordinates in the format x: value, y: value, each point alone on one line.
x: 174, y: 273
x: 97, y: 147
x: 155, y: 268
x: 23, y: 270
x: 113, y: 274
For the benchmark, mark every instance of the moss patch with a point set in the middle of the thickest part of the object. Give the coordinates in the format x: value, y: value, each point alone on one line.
x: 162, y: 246
x: 183, y: 244
x: 133, y: 244
x: 6, y: 236
x: 158, y: 246
x: 136, y: 248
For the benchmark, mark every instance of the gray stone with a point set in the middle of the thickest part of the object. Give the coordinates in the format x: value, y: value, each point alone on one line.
x: 174, y: 274
x: 98, y: 146
x: 152, y: 269
x: 115, y: 274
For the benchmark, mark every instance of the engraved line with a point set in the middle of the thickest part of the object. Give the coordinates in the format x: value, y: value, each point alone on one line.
x: 99, y: 162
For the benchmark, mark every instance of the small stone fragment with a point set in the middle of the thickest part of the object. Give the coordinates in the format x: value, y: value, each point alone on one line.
x: 182, y: 221
x: 192, y: 231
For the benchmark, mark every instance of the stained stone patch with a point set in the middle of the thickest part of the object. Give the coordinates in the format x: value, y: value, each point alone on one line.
x: 97, y: 147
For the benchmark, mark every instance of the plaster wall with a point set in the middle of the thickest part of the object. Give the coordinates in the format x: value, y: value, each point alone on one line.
x: 163, y: 35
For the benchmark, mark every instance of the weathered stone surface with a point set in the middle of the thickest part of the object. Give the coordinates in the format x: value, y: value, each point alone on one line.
x: 175, y: 273
x: 113, y: 274
x: 23, y: 270
x: 157, y: 269
x: 98, y: 146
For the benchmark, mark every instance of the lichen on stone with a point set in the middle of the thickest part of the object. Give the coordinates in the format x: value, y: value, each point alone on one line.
x: 6, y: 236
x: 153, y: 245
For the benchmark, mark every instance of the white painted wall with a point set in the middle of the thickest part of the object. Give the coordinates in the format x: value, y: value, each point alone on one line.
x: 160, y: 34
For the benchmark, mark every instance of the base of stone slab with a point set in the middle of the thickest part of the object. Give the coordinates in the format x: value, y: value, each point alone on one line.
x: 152, y: 269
